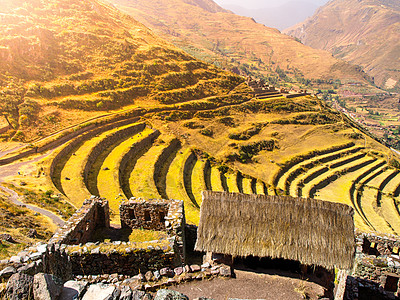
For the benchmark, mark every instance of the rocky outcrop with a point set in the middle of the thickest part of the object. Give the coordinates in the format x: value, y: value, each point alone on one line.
x: 46, y: 287
x: 19, y: 287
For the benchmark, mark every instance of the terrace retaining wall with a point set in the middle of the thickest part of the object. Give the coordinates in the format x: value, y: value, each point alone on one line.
x: 127, y: 260
x: 136, y: 148
x: 86, y: 136
x: 107, y: 142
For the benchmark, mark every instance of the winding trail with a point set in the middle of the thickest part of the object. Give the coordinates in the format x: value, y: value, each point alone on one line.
x: 12, y: 169
x: 14, y: 197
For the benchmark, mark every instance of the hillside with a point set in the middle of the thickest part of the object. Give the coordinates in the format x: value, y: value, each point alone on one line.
x: 365, y: 33
x: 235, y: 42
x: 62, y: 62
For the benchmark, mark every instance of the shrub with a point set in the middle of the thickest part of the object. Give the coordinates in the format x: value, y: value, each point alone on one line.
x: 207, y: 132
x: 193, y: 125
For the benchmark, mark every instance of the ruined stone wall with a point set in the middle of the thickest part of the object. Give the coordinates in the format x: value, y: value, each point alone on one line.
x: 377, y: 267
x: 93, y: 215
x: 162, y: 215
x: 175, y: 224
x: 127, y: 258
x: 139, y: 213
x: 69, y: 253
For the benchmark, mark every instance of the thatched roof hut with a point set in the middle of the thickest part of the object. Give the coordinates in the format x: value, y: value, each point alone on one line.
x: 310, y: 231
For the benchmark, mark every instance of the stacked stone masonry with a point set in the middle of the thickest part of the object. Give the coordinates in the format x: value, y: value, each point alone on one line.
x: 69, y: 253
x: 93, y: 214
x: 377, y: 268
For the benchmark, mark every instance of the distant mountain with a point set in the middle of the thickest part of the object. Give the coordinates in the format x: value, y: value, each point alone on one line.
x: 366, y: 33
x: 222, y: 37
x: 281, y: 16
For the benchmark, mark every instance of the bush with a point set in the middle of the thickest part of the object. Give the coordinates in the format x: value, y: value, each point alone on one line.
x: 247, y: 134
x: 193, y: 125
x: 207, y: 132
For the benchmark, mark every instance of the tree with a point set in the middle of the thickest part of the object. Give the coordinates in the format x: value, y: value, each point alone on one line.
x: 10, y: 99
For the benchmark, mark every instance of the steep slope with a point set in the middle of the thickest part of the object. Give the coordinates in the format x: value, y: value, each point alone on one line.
x: 62, y: 62
x: 228, y: 39
x: 365, y: 33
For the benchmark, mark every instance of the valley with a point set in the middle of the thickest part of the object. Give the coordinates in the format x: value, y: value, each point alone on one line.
x: 184, y: 101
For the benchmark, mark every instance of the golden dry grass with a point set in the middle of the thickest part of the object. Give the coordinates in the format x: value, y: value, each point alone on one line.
x: 175, y: 186
x: 231, y: 182
x: 198, y: 181
x: 141, y: 180
x: 216, y: 183
x: 108, y: 183
x: 247, y: 186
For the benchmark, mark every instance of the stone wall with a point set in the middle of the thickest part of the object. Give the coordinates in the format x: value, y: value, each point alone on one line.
x: 122, y: 258
x: 377, y: 267
x: 93, y: 214
x: 69, y: 253
x: 161, y: 215
x: 146, y: 214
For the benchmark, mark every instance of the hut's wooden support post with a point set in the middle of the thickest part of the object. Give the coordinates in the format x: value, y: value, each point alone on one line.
x: 341, y: 286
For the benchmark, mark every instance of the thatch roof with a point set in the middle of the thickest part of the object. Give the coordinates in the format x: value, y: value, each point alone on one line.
x: 311, y: 231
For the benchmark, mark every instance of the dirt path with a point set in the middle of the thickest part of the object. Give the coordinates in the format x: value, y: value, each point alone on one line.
x: 249, y: 285
x: 13, y: 169
x: 14, y: 197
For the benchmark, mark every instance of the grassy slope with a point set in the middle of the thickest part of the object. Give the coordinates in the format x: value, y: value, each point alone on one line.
x: 108, y: 178
x: 67, y: 61
x: 71, y: 175
x: 17, y: 221
x: 141, y: 180
x: 175, y: 186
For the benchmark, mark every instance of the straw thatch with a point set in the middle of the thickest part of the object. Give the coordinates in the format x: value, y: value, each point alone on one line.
x: 310, y: 231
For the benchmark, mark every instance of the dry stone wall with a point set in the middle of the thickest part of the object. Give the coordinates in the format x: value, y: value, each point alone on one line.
x: 93, y: 214
x: 121, y: 258
x: 140, y: 213
x: 377, y: 268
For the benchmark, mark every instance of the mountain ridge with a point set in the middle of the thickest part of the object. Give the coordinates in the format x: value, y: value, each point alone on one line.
x: 366, y: 34
x: 226, y: 38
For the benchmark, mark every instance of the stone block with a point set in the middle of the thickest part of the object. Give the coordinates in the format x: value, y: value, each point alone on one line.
x: 7, y: 272
x: 73, y: 290
x: 100, y: 292
x: 126, y: 293
x: 29, y: 269
x: 169, y: 295
x: 46, y: 287
x: 138, y: 295
x: 19, y: 286
x: 225, y: 271
x: 149, y: 276
x: 179, y: 270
